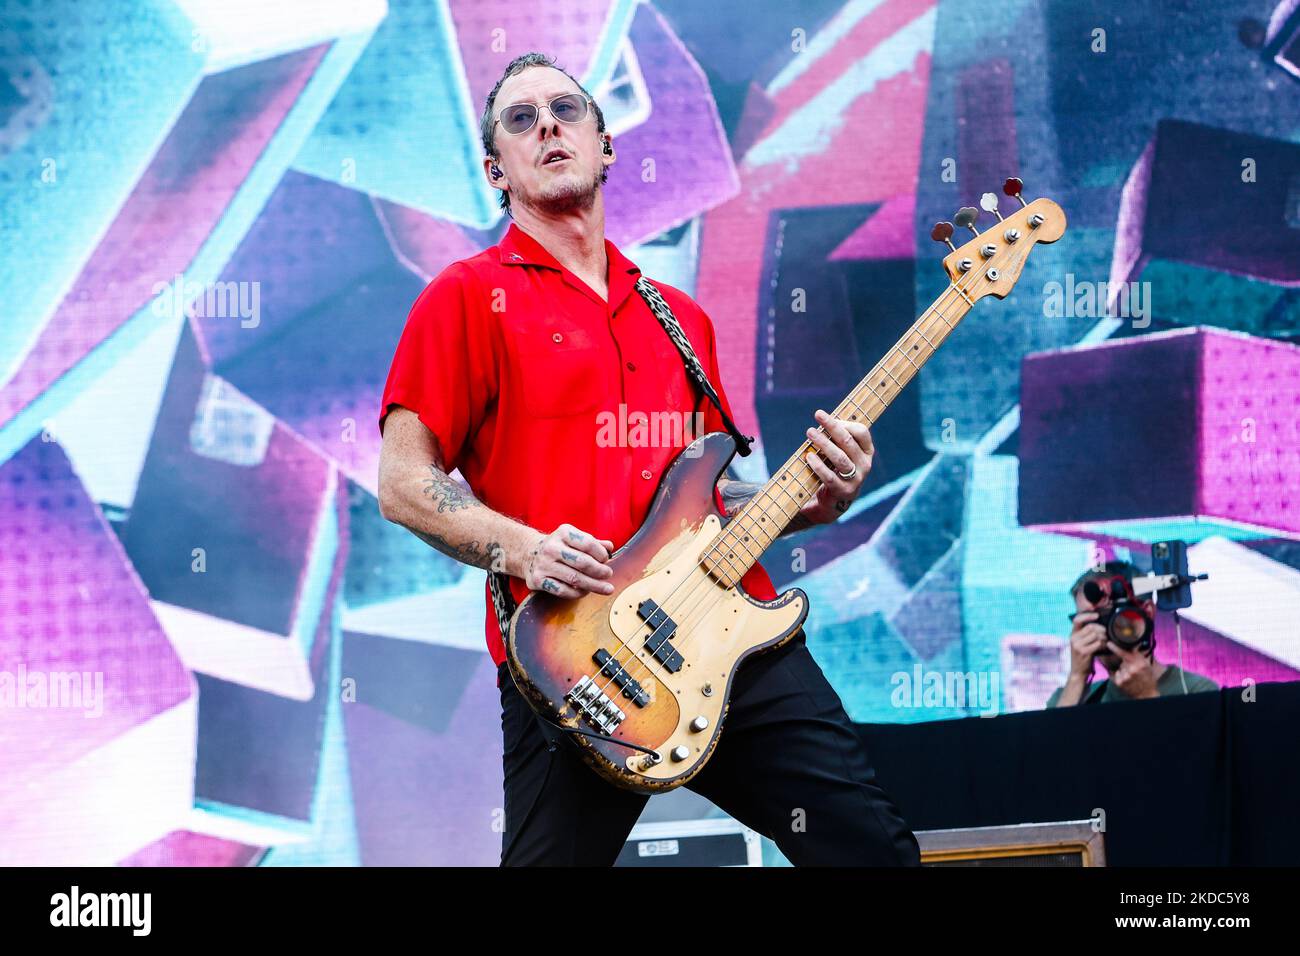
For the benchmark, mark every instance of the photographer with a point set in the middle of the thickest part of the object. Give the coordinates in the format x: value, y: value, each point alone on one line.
x: 1134, y: 671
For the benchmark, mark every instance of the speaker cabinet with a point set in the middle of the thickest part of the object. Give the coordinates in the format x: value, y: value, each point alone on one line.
x: 713, y: 842
x: 1072, y: 843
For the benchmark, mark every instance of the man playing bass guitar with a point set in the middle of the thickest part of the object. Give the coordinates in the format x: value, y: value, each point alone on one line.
x: 506, y: 363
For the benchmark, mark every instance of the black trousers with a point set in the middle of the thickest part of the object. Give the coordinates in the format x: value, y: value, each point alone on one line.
x: 789, y: 765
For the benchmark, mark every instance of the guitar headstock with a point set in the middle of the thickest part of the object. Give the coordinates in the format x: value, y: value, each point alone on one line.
x: 991, y: 262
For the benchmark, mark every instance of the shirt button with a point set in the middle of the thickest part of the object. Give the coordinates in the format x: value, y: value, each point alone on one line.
x: 557, y: 337
x: 631, y: 366
x: 645, y: 473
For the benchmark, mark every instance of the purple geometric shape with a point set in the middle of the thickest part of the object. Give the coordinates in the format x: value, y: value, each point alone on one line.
x: 693, y: 168
x: 312, y: 241
x: 1192, y: 423
x: 261, y: 751
x: 987, y: 152
x: 425, y: 798
x: 423, y: 243
x: 256, y: 525
x: 187, y: 848
x: 326, y: 256
x: 1238, y: 225
x: 320, y: 376
x: 197, y: 170
x: 62, y: 571
x: 569, y: 36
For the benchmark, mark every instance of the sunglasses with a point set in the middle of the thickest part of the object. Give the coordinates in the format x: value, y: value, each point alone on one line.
x: 569, y: 108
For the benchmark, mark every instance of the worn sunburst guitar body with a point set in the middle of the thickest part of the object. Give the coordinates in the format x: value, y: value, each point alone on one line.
x: 643, y: 675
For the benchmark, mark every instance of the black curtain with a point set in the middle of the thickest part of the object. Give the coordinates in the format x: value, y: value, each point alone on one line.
x: 1207, y: 779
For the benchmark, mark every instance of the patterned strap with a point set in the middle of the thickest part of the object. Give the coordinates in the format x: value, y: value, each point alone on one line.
x: 503, y: 601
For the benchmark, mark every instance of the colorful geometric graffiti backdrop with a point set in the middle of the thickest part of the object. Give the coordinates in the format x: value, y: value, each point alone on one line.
x: 187, y: 495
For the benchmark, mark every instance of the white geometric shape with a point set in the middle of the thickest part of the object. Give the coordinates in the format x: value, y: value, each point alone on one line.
x: 1248, y: 598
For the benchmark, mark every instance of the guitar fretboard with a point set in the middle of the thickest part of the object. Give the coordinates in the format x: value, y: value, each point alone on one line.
x: 762, y: 519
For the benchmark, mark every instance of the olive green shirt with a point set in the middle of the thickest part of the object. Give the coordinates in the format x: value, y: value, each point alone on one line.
x: 1168, y: 685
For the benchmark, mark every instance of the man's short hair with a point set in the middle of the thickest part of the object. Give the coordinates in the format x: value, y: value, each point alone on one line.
x: 487, y: 123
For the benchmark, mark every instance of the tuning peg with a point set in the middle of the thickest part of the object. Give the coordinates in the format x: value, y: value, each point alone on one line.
x: 1013, y: 187
x: 989, y: 203
x: 966, y: 216
x: 942, y: 232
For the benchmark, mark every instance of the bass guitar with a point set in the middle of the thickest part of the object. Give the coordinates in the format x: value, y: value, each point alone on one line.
x: 641, y: 677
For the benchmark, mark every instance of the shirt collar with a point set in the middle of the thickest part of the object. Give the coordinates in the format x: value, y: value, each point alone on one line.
x: 518, y: 248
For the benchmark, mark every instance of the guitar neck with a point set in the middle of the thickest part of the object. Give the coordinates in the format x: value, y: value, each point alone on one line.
x: 762, y: 519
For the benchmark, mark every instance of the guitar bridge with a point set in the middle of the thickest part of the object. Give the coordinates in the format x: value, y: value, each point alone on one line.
x: 595, y: 705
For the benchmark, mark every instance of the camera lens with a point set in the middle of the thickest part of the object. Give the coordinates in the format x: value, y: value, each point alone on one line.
x: 1127, y: 628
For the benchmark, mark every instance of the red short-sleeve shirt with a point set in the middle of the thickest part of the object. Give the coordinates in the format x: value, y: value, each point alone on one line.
x: 519, y: 369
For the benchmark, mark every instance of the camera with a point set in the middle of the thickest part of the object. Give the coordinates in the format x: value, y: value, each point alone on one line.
x: 1126, y: 621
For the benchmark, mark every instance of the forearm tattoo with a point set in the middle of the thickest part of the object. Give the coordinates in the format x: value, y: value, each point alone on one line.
x: 471, y: 552
x: 736, y: 493
x: 449, y: 495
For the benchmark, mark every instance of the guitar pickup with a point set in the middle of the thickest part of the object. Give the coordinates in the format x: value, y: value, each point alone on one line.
x: 662, y: 628
x: 610, y: 667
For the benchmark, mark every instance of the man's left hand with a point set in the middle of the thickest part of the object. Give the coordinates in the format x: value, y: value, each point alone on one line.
x: 1135, y: 677
x: 848, y: 447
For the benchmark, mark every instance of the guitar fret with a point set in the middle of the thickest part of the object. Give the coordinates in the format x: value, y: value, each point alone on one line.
x: 749, y: 533
x: 915, y: 367
x: 885, y: 369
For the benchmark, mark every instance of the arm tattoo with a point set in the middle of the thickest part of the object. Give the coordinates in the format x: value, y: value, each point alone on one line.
x: 447, y: 493
x: 736, y: 493
x: 471, y: 552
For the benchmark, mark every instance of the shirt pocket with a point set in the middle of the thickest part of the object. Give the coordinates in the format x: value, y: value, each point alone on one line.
x: 562, y: 371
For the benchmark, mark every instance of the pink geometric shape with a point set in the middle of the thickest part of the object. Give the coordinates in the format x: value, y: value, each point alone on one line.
x: 888, y: 234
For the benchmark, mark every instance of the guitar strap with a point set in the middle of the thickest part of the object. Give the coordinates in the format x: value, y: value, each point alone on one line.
x: 503, y: 602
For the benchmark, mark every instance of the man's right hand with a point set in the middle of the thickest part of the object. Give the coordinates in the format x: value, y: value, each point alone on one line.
x: 1086, y: 638
x: 568, y: 562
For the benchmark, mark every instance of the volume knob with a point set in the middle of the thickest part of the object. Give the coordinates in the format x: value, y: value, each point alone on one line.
x: 699, y: 723
x: 681, y: 752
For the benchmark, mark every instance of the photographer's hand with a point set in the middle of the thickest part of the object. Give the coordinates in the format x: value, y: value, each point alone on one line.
x: 1135, y: 677
x: 1086, y: 639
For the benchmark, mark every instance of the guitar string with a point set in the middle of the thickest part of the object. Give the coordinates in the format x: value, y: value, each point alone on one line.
x: 706, y: 582
x: 719, y: 592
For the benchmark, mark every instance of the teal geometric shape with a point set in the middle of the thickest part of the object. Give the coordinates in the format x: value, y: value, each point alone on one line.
x: 404, y: 128
x: 118, y: 76
x: 332, y: 839
x: 1014, y: 581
